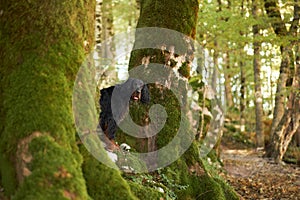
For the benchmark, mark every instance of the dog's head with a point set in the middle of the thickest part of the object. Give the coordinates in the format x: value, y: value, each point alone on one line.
x: 140, y: 90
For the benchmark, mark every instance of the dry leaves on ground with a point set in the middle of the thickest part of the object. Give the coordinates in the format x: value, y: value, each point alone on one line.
x: 255, y: 177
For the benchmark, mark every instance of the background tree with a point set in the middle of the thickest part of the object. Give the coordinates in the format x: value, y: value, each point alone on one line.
x: 257, y: 79
x: 286, y: 121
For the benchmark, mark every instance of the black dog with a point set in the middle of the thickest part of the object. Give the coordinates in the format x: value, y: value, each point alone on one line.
x: 114, y: 102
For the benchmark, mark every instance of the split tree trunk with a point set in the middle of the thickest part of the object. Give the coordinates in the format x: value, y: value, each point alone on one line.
x: 284, y: 124
x: 289, y: 123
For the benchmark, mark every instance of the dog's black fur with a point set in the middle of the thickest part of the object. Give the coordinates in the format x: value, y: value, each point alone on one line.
x: 131, y: 90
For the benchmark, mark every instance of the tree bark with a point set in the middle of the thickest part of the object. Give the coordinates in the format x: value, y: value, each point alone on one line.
x: 229, y: 97
x: 242, y: 96
x: 42, y: 46
x: 283, y: 121
x: 289, y: 123
x: 155, y: 14
x: 182, y: 18
x: 257, y: 80
x: 243, y: 82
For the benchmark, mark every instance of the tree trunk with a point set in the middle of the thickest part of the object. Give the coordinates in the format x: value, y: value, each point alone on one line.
x: 105, y: 45
x: 98, y: 21
x: 242, y: 80
x: 165, y: 46
x: 297, y: 52
x: 289, y: 123
x: 257, y: 81
x: 164, y: 51
x: 280, y: 90
x: 281, y: 125
x: 42, y: 46
x: 229, y: 97
x: 107, y: 28
x: 242, y: 96
x: 280, y: 29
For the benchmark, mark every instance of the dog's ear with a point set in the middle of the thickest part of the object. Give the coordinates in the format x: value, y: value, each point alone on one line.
x: 145, y: 97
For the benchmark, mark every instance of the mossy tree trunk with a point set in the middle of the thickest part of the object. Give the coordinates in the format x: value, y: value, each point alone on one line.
x: 188, y: 170
x: 170, y: 15
x: 42, y: 47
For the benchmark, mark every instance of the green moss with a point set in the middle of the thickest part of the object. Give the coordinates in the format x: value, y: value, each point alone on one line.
x: 145, y: 193
x: 41, y: 51
x: 8, y: 175
x: 104, y: 182
x: 170, y: 15
x: 139, y: 114
x: 59, y: 178
x: 203, y: 183
x: 156, y: 15
x: 200, y: 183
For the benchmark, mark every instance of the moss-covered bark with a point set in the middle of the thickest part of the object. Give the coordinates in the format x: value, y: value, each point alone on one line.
x: 103, y: 182
x: 188, y: 177
x: 41, y: 50
x: 180, y: 17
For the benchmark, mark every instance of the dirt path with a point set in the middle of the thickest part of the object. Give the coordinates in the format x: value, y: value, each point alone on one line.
x: 255, y: 177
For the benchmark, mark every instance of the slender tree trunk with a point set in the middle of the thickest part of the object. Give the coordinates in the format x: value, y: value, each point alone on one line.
x: 214, y: 85
x: 107, y: 29
x: 280, y: 91
x: 297, y: 52
x: 98, y: 21
x: 242, y: 80
x: 229, y: 97
x: 242, y: 96
x: 257, y: 80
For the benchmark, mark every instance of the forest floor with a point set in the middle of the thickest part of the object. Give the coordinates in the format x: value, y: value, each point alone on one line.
x: 256, y: 177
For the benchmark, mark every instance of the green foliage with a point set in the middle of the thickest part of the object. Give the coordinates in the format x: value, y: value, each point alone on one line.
x: 143, y: 192
x: 185, y: 70
x: 191, y: 171
x: 157, y: 182
x: 131, y: 161
x: 196, y: 82
x: 124, y: 19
